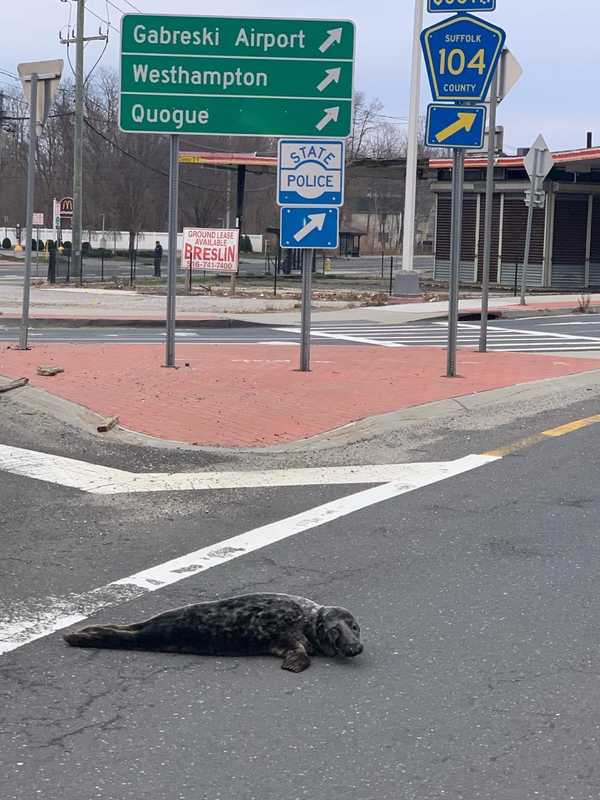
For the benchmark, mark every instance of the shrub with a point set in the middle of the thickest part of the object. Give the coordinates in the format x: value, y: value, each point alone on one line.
x: 6, y: 243
x: 584, y: 304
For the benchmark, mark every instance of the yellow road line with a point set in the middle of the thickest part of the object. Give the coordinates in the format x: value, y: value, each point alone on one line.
x: 572, y: 426
x: 536, y: 438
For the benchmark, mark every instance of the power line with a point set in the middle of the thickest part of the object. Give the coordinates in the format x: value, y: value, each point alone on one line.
x: 135, y: 8
x: 105, y: 21
x: 156, y: 169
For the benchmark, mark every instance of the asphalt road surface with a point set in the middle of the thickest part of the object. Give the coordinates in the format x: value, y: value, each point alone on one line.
x: 477, y: 596
x: 568, y: 333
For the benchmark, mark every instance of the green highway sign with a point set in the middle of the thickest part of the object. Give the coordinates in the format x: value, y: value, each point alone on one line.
x: 236, y: 76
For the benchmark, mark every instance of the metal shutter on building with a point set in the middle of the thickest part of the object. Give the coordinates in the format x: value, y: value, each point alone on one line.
x: 442, y: 236
x: 514, y: 229
x: 442, y: 240
x: 570, y: 229
x: 595, y: 244
x: 569, y: 241
x: 495, y: 239
x: 469, y: 225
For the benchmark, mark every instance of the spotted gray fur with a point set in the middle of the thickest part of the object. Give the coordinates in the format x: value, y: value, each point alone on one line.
x: 289, y: 627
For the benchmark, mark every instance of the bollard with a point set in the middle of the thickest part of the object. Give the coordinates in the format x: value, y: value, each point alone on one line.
x: 52, y: 265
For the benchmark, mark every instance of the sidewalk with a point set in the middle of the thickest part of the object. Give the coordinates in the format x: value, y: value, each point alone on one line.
x: 120, y: 306
x: 253, y: 395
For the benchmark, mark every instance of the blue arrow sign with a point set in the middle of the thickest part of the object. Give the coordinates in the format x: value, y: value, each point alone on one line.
x: 309, y: 228
x: 455, y: 126
x: 444, y: 6
x: 310, y: 172
x: 461, y: 54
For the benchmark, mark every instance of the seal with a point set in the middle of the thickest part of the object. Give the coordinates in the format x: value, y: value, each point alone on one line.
x: 289, y: 627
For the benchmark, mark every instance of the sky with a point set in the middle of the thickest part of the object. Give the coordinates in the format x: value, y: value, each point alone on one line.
x: 556, y: 42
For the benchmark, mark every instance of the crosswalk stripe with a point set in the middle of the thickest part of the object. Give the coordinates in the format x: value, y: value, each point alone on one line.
x: 545, y: 334
x: 434, y: 334
x: 357, y: 339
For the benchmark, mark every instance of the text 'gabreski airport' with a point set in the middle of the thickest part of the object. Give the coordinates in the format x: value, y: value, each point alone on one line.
x: 178, y: 74
x: 206, y: 37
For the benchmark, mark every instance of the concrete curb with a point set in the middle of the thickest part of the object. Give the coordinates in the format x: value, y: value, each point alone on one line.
x: 542, y: 312
x: 115, y: 322
x: 70, y: 413
x: 234, y: 322
x: 500, y: 313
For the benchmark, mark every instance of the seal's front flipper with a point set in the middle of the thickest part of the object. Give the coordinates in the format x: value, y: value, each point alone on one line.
x: 296, y: 660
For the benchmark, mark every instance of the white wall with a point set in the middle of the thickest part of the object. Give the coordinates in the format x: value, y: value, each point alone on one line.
x: 116, y: 240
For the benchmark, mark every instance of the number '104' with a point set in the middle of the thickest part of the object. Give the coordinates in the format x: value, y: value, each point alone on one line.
x: 455, y: 61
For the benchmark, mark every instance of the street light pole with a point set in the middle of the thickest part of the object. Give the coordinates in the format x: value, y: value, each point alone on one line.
x: 410, y: 190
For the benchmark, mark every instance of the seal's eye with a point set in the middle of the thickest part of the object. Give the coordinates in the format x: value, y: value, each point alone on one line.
x: 355, y: 627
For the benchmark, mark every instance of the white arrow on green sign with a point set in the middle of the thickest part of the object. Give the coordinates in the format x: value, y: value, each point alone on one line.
x: 236, y: 76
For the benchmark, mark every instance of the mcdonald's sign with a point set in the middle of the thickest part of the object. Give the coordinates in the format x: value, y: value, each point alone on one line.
x: 66, y: 207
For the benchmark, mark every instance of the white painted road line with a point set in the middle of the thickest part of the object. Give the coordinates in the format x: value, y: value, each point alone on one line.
x: 27, y: 622
x: 544, y: 334
x: 551, y: 324
x: 357, y: 339
x: 98, y: 479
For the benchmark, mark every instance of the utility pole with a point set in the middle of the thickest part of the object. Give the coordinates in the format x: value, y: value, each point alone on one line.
x: 78, y: 147
x: 79, y: 41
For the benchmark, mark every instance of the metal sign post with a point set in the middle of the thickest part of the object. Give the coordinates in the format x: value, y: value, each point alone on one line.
x: 538, y: 162
x: 24, y: 332
x: 489, y: 207
x: 458, y: 168
x: 40, y: 81
x: 460, y: 75
x: 306, y: 303
x: 522, y: 301
x: 172, y: 261
x: 507, y: 74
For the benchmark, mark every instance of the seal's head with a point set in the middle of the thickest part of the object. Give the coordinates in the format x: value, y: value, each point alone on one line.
x: 338, y: 632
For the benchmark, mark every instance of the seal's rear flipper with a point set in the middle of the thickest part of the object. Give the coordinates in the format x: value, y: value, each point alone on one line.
x: 101, y: 636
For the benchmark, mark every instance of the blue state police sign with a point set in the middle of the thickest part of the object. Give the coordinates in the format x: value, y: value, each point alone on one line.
x: 461, y: 54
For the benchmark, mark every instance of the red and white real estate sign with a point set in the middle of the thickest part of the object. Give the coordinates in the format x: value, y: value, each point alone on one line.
x: 212, y: 249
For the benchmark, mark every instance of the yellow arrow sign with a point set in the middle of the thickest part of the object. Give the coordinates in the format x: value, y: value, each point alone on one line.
x: 465, y: 121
